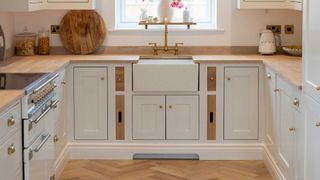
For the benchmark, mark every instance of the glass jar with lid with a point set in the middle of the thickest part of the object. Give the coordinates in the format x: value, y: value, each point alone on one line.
x: 43, y: 42
x: 25, y: 43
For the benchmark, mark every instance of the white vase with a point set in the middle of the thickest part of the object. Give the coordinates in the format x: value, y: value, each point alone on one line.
x: 165, y: 11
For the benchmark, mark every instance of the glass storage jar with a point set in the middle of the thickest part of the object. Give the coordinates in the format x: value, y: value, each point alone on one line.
x: 43, y: 42
x: 25, y: 44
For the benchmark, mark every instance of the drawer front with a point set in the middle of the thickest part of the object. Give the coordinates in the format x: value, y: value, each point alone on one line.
x: 59, y: 140
x: 10, y: 119
x: 120, y: 85
x: 212, y: 78
x: 11, y: 156
x: 292, y: 91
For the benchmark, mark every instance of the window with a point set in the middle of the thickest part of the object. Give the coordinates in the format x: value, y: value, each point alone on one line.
x: 203, y: 12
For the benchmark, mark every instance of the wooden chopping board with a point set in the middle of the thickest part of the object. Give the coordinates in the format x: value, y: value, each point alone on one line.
x: 82, y: 31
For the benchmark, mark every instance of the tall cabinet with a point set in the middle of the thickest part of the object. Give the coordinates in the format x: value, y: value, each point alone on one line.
x: 311, y: 85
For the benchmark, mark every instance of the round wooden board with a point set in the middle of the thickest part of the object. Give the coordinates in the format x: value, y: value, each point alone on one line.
x: 82, y: 31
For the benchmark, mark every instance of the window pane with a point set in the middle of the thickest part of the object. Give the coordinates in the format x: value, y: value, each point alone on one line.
x: 202, y: 11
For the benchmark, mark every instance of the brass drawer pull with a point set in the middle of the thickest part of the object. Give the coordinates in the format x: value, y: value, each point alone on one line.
x: 11, y: 121
x: 55, y: 139
x: 211, y: 78
x: 292, y: 129
x: 161, y: 106
x: 11, y: 150
x: 64, y: 82
x: 269, y: 76
x: 170, y: 106
x: 228, y: 78
x: 276, y: 90
x: 296, y: 102
x: 318, y: 125
x: 318, y: 88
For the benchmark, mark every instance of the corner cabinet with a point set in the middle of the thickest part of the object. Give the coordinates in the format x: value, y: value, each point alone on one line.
x: 35, y: 5
x: 241, y: 103
x: 270, y: 4
x: 166, y: 117
x: 90, y: 103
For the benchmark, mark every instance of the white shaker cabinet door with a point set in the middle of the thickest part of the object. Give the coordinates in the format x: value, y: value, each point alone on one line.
x: 312, y: 118
x: 182, y: 117
x: 311, y: 54
x: 149, y: 117
x: 241, y: 103
x: 90, y: 103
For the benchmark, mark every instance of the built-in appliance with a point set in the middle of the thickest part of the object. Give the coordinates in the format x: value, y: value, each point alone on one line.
x: 37, y: 102
x: 267, y: 43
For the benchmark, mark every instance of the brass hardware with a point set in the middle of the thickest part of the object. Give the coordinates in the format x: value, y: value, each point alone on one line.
x: 296, y: 102
x: 11, y: 149
x: 276, y: 90
x: 55, y: 139
x: 170, y: 107
x: 161, y: 106
x: 11, y: 121
x: 292, y: 129
x: 269, y: 76
x: 166, y: 47
x: 228, y: 78
x: 102, y: 78
x: 211, y: 79
x: 318, y: 124
x: 64, y: 82
x: 318, y: 88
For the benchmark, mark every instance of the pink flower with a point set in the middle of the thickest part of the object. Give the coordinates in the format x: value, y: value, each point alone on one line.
x: 177, y: 4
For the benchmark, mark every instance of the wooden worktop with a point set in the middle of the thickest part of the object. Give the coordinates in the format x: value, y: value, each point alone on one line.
x: 288, y: 67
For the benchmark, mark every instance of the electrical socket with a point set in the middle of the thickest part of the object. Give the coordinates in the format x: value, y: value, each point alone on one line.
x: 289, y: 29
x: 275, y: 28
x: 55, y: 29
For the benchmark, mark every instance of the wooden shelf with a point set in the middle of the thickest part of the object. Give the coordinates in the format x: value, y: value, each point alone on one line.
x: 188, y: 24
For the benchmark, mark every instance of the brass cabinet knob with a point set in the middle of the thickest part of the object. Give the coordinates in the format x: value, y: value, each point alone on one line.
x: 11, y: 121
x: 102, y: 78
x: 11, y: 149
x: 318, y: 88
x: 269, y: 76
x: 55, y: 139
x: 292, y: 129
x: 318, y: 124
x: 64, y: 82
x: 170, y: 106
x: 211, y: 79
x: 161, y: 107
x: 296, y: 102
x: 228, y: 78
x: 276, y: 90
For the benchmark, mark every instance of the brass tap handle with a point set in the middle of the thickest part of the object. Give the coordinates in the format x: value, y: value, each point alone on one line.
x: 176, y: 48
x: 155, y: 48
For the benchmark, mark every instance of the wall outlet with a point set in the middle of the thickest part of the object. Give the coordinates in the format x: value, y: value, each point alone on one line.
x: 55, y: 29
x: 274, y: 28
x: 289, y: 29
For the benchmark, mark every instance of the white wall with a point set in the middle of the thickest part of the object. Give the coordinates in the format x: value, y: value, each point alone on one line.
x: 241, y: 27
x: 6, y: 21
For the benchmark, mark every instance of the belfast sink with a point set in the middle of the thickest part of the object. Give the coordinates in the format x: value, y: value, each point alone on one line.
x: 169, y: 75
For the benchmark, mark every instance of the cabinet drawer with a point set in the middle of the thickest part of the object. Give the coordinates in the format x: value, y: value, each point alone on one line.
x: 59, y: 140
x: 11, y: 156
x: 10, y: 119
x: 293, y: 92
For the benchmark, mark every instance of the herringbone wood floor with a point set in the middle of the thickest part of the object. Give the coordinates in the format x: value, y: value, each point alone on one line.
x: 165, y: 170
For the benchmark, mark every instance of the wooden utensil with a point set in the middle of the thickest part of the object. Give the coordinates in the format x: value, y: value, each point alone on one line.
x: 82, y: 31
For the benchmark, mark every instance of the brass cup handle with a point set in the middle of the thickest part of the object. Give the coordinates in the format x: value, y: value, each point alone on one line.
x: 11, y: 121
x: 55, y: 139
x: 318, y: 125
x: 292, y: 129
x: 269, y: 76
x: 11, y: 150
x: 296, y: 102
x: 276, y: 90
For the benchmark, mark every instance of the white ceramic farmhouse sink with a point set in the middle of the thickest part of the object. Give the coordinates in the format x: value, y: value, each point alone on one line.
x: 170, y: 75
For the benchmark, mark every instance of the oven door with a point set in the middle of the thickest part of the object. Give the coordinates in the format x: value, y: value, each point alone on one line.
x: 38, y: 159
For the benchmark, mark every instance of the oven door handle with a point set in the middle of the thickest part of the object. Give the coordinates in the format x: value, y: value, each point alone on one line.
x: 44, y: 140
x: 44, y: 84
x: 42, y: 115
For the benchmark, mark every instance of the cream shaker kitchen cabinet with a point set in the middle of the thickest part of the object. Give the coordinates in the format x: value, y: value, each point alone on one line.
x: 241, y: 103
x: 21, y: 5
x: 90, y: 103
x: 311, y: 54
x: 70, y: 4
x: 149, y: 117
x: 182, y: 117
x: 312, y: 116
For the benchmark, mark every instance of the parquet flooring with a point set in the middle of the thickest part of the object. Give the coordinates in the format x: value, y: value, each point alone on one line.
x: 164, y: 170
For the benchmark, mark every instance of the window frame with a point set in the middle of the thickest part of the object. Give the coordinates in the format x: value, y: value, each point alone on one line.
x: 121, y: 24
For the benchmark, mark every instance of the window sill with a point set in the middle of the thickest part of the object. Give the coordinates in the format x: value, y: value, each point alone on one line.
x: 212, y: 30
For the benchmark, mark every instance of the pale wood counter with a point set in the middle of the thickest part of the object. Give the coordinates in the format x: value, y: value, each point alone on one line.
x: 288, y: 67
